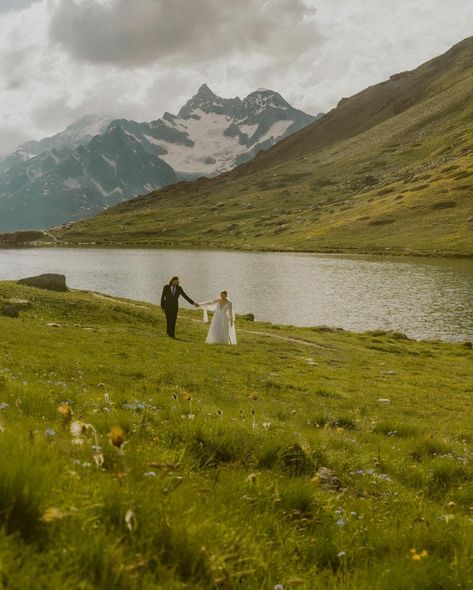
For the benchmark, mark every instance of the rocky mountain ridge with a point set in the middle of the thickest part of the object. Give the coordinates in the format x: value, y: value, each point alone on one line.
x: 97, y: 162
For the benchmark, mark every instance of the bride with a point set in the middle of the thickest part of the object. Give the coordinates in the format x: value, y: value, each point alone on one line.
x: 222, y: 327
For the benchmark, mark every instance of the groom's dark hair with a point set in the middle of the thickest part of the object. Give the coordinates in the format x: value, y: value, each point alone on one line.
x: 173, y: 279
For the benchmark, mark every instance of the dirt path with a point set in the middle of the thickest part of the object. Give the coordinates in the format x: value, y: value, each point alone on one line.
x: 110, y: 298
x: 242, y: 330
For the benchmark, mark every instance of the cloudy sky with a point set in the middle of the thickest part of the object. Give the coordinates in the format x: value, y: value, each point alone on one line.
x: 61, y: 59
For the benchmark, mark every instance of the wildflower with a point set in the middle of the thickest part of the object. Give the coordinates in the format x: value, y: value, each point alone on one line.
x: 4, y: 406
x: 341, y: 522
x: 341, y: 554
x: 451, y: 504
x: 77, y: 429
x: 149, y: 474
x: 418, y: 556
x: 117, y: 436
x: 252, y: 478
x: 279, y: 587
x: 190, y: 416
x: 266, y: 425
x: 384, y: 477
x: 130, y: 520
x: 98, y: 458
x: 65, y: 411
x: 49, y: 432
x: 51, y: 514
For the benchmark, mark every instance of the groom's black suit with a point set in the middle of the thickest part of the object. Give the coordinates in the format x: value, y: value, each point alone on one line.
x: 170, y: 305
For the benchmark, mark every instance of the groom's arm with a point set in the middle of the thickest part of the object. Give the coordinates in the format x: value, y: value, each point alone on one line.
x: 186, y: 297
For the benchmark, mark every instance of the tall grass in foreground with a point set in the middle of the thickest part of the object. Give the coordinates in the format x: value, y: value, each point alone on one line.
x: 126, y: 464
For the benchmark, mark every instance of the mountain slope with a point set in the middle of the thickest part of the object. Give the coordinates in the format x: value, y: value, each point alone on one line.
x: 73, y: 175
x: 78, y: 133
x: 389, y: 169
x: 63, y: 185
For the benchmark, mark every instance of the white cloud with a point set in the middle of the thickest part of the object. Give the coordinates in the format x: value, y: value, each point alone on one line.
x: 60, y: 59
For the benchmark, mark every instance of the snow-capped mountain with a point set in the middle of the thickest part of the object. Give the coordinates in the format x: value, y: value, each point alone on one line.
x: 95, y: 162
x: 211, y: 135
x: 62, y: 185
x: 78, y: 133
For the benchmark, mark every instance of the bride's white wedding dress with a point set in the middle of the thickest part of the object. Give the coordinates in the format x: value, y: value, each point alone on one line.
x: 222, y: 327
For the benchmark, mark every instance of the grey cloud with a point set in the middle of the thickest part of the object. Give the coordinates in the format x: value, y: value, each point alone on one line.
x: 124, y: 33
x: 8, y: 5
x: 11, y: 137
x: 12, y: 66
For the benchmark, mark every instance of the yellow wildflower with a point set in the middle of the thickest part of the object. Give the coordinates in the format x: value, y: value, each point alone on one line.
x: 117, y: 436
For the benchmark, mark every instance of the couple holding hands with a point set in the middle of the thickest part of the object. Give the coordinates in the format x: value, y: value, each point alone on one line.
x: 222, y: 327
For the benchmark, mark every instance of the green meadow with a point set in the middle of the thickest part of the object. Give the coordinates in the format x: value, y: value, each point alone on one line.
x: 305, y: 458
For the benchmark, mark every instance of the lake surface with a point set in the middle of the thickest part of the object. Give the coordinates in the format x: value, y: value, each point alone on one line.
x: 424, y: 298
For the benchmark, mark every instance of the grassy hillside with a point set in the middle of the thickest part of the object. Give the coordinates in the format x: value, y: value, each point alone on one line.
x: 197, y: 466
x: 389, y: 169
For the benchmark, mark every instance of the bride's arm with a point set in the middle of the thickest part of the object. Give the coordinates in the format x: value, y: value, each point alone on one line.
x: 211, y: 302
x: 230, y: 313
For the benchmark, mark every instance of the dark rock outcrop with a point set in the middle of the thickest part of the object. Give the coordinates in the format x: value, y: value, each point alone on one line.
x: 52, y: 282
x: 10, y: 311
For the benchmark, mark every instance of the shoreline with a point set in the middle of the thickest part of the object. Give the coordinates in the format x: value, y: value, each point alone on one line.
x: 165, y: 245
x: 260, y: 325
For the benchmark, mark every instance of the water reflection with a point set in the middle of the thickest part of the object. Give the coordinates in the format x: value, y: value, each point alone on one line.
x: 424, y: 298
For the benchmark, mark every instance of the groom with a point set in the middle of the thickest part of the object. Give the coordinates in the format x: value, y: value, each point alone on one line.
x: 169, y: 304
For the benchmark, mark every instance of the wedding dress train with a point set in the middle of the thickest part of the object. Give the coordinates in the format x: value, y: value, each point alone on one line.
x: 222, y: 327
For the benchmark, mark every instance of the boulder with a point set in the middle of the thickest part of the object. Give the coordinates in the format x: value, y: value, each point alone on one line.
x: 10, y: 311
x: 249, y: 317
x: 52, y: 282
x: 328, y: 479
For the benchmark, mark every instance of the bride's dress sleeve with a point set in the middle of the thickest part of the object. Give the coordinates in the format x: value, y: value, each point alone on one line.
x: 232, y: 329
x: 208, y: 306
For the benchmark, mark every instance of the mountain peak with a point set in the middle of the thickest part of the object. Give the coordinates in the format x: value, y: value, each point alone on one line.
x: 266, y: 97
x: 205, y: 92
x: 205, y: 100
